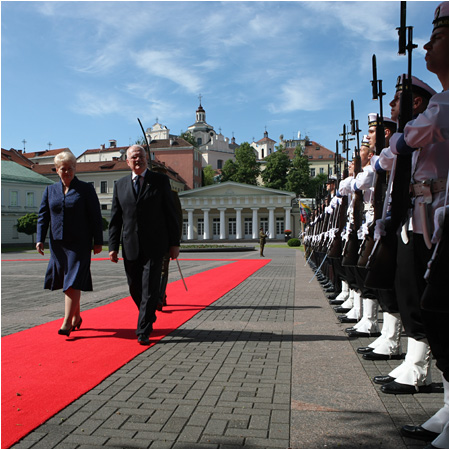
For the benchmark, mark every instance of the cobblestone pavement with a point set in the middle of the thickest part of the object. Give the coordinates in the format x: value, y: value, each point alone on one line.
x: 267, y: 365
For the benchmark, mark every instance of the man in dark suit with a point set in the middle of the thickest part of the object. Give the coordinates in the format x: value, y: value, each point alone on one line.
x: 144, y: 214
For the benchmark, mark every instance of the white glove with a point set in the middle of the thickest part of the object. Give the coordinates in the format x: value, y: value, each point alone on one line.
x: 439, y: 217
x: 379, y: 229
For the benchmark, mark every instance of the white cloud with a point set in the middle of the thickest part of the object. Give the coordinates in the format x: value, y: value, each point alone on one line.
x: 300, y: 94
x: 170, y: 66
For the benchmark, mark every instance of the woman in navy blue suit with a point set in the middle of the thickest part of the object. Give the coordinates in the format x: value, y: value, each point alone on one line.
x: 70, y: 208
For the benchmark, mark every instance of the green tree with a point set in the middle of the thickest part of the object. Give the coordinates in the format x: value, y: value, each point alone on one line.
x: 299, y: 178
x: 229, y: 171
x: 245, y: 169
x: 316, y: 186
x: 277, y: 167
x: 105, y: 224
x: 28, y: 224
x: 208, y: 175
x: 187, y: 136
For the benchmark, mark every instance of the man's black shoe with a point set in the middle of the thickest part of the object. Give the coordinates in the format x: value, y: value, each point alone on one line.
x: 332, y: 296
x: 398, y: 388
x: 383, y: 379
x: 345, y: 319
x: 355, y: 333
x: 336, y: 302
x: 143, y: 339
x: 341, y: 310
x: 372, y: 356
x: 418, y: 433
x: 364, y: 350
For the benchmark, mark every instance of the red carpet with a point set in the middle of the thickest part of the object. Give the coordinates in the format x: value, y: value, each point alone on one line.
x: 42, y: 372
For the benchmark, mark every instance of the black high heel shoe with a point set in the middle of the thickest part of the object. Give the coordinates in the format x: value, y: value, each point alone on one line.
x: 65, y: 332
x: 78, y: 325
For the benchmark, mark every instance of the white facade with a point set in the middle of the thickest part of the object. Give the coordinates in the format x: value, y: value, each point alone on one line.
x: 157, y: 132
x: 228, y: 211
x: 22, y: 191
x: 214, y: 147
x: 264, y: 147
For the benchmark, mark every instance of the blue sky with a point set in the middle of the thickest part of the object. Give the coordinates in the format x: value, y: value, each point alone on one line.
x: 78, y: 74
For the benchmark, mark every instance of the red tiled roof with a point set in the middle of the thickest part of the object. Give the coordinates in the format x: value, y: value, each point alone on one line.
x: 45, y: 152
x: 315, y: 150
x: 166, y: 143
x: 17, y: 157
x: 265, y: 139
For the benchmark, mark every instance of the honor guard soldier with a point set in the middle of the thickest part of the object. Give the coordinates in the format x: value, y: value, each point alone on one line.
x: 427, y: 138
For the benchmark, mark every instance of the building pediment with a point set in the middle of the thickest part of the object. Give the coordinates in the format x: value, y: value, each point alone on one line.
x: 233, y: 189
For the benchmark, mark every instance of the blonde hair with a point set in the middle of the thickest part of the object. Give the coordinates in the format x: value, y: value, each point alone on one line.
x: 65, y: 156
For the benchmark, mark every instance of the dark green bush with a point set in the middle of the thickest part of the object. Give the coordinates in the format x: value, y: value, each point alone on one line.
x: 294, y: 242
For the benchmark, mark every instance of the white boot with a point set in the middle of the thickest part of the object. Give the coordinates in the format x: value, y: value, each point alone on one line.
x: 369, y: 321
x: 344, y: 291
x: 356, y: 311
x: 442, y: 440
x: 415, y: 369
x: 389, y: 342
x: 437, y: 423
x: 349, y: 302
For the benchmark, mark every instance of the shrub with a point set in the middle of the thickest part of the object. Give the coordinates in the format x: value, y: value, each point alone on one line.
x: 294, y: 242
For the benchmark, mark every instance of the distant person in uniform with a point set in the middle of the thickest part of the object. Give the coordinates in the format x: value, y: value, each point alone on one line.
x: 70, y: 208
x: 262, y: 241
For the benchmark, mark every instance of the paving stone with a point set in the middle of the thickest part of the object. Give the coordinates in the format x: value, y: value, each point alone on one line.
x: 228, y: 377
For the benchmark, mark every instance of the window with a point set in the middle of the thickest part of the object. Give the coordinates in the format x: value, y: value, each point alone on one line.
x: 103, y: 187
x: 30, y: 199
x: 185, y: 227
x: 248, y: 226
x: 13, y: 198
x: 219, y: 163
x: 264, y: 224
x: 310, y: 156
x: 320, y: 156
x: 321, y: 170
x: 231, y: 227
x: 262, y: 153
x: 104, y: 207
x: 199, y: 141
x: 313, y: 172
x: 279, y: 225
x: 200, y: 228
x: 216, y: 227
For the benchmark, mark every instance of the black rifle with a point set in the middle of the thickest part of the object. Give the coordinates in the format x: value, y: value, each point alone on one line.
x: 351, y: 246
x: 380, y: 184
x: 382, y: 261
x: 146, y: 146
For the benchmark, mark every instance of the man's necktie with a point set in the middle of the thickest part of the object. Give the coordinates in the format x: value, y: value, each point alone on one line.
x: 137, y: 185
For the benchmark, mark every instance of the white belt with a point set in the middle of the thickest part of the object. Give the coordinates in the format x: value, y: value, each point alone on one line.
x: 427, y: 188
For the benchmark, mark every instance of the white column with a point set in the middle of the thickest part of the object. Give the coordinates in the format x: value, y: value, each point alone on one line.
x: 287, y: 218
x: 222, y: 223
x: 271, y: 221
x: 255, y: 227
x: 238, y: 223
x: 190, y: 235
x: 206, y: 223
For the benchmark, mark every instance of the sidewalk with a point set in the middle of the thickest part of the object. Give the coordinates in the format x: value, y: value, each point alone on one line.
x: 268, y: 365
